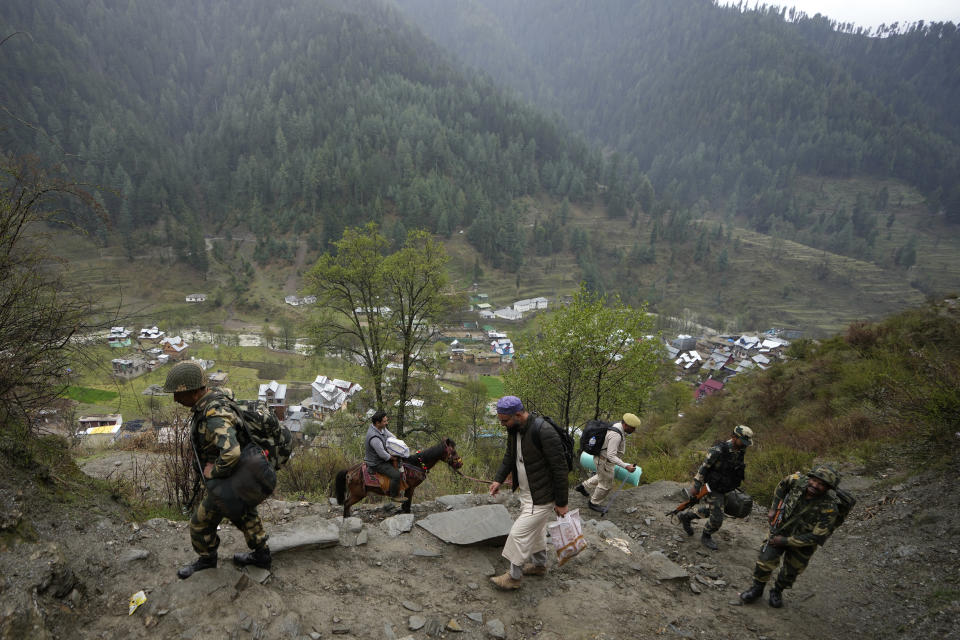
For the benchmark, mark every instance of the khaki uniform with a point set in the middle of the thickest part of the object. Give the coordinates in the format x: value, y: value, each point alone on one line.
x: 213, y: 433
x: 806, y: 523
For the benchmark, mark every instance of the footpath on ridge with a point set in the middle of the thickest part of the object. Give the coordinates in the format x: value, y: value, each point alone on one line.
x: 891, y: 571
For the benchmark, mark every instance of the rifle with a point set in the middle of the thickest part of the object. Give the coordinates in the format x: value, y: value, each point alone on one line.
x: 704, y: 490
x: 774, y: 525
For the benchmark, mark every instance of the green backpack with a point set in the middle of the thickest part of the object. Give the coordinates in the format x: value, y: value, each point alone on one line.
x: 845, y: 502
x: 264, y: 429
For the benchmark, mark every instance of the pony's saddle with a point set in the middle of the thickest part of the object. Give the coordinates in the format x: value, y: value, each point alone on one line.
x: 380, y: 481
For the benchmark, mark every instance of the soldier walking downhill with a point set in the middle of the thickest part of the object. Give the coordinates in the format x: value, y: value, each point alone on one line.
x: 801, y: 517
x: 722, y: 472
x: 213, y: 434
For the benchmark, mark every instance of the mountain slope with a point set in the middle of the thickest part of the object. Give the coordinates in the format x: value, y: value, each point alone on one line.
x: 715, y: 101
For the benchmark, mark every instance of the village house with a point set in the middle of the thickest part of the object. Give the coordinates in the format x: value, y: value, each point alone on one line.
x: 217, y: 379
x: 274, y: 395
x: 329, y: 395
x: 296, y: 414
x: 128, y: 368
x: 150, y: 334
x: 197, y: 297
x: 508, y: 314
x: 295, y: 301
x: 119, y: 337
x: 684, y: 342
x: 502, y: 346
x: 174, y: 348
x: 706, y: 388
x: 689, y: 361
x: 530, y: 304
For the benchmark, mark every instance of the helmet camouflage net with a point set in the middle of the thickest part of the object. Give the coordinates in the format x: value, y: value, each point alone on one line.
x: 185, y: 376
x: 826, y: 473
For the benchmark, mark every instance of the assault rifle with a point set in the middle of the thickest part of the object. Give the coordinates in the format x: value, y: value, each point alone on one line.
x: 774, y: 524
x: 704, y: 490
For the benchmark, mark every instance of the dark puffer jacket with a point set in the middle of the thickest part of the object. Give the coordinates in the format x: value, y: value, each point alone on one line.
x: 546, y: 467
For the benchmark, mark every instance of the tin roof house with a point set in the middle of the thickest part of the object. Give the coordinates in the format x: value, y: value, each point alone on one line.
x: 329, y: 395
x: 119, y: 337
x: 275, y: 395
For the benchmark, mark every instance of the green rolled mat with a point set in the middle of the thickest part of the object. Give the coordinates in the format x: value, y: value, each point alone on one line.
x: 620, y: 474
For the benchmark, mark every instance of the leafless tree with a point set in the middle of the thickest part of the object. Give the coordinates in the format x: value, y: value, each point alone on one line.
x: 41, y: 320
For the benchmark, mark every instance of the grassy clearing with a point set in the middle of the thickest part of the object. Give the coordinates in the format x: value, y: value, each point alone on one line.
x: 494, y: 385
x: 86, y: 395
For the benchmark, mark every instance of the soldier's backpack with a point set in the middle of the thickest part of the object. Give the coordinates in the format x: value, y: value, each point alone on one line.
x: 593, y: 436
x: 565, y: 439
x: 264, y: 429
x: 845, y: 502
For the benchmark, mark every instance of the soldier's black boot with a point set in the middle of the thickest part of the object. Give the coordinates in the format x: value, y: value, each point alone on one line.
x: 754, y: 592
x: 581, y: 490
x: 776, y: 598
x: 201, y: 563
x: 707, y: 540
x: 685, y: 518
x: 258, y: 558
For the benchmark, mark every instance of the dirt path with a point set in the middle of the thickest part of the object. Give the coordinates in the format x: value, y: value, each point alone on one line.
x: 292, y: 284
x: 892, y: 571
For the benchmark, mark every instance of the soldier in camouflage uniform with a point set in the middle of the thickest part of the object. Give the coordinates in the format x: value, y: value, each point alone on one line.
x: 722, y: 472
x: 213, y: 435
x: 801, y: 517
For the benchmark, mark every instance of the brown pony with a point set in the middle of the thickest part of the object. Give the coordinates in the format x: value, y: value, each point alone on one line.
x: 415, y: 472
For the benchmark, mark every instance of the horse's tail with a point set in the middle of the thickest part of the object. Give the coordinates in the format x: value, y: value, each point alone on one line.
x: 341, y: 486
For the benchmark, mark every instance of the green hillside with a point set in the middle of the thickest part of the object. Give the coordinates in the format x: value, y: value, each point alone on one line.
x: 880, y: 394
x: 727, y: 103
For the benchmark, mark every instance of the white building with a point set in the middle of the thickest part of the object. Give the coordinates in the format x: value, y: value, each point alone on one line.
x: 530, y: 304
x: 508, y: 314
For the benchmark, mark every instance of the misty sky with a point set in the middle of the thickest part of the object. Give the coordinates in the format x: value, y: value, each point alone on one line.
x: 873, y: 13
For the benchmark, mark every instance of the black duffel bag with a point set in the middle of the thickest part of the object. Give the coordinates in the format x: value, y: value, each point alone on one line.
x: 737, y: 504
x: 252, y: 481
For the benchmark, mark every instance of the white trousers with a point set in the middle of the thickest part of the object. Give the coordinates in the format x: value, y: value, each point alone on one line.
x: 528, y: 535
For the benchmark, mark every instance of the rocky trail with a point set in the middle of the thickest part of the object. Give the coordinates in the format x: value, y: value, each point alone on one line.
x: 890, y: 572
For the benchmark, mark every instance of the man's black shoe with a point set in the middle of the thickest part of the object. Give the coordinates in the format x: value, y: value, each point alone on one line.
x: 707, y: 540
x: 579, y: 489
x: 596, y: 507
x: 776, y: 599
x: 685, y: 518
x: 258, y: 558
x: 754, y: 592
x: 201, y: 563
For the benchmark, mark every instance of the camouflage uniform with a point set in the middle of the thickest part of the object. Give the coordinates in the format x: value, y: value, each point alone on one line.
x: 723, y: 471
x: 214, y: 434
x: 808, y: 523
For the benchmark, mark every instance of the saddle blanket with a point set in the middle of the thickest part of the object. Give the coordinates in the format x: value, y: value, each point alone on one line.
x: 373, y: 480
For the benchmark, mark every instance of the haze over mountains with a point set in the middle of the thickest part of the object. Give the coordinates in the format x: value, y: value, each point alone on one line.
x: 300, y: 117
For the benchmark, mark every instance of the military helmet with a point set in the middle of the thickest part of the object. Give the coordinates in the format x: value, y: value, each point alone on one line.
x: 826, y: 473
x: 185, y: 376
x: 745, y: 434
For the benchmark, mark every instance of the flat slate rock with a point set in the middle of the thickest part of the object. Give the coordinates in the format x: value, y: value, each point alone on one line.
x: 395, y: 525
x: 469, y: 526
x: 658, y: 566
x: 307, y: 535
